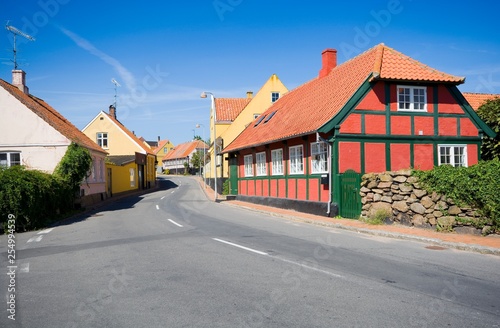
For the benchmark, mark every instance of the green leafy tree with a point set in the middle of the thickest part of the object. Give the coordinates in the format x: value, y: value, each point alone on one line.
x: 197, y: 159
x: 74, y: 166
x: 489, y: 112
x: 198, y: 138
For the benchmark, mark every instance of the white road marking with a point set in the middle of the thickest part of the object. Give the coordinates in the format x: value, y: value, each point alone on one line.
x: 177, y: 224
x: 45, y: 231
x: 162, y: 197
x: 305, y: 266
x: 172, y: 191
x: 35, y: 239
x: 239, y: 246
x: 157, y: 207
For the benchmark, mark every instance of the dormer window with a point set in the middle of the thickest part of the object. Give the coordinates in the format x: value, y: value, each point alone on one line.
x: 275, y: 96
x: 412, y: 98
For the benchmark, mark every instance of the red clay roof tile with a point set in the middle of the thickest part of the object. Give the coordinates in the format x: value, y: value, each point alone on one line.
x: 52, y: 117
x: 184, y: 150
x: 477, y: 99
x: 227, y: 109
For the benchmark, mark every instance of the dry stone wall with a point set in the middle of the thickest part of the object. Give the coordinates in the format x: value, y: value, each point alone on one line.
x: 400, y: 196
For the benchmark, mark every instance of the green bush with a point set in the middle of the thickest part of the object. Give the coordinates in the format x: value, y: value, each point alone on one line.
x: 477, y: 186
x: 225, y: 187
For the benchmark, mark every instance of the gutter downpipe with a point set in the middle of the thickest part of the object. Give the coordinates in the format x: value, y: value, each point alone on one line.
x: 329, y: 164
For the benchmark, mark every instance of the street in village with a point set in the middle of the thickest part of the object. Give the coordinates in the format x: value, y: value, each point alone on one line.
x: 175, y: 258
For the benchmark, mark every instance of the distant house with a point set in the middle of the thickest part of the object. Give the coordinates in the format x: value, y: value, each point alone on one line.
x: 178, y: 159
x: 234, y: 114
x: 35, y: 135
x: 122, y: 145
x: 477, y: 99
x: 380, y: 111
x: 161, y: 150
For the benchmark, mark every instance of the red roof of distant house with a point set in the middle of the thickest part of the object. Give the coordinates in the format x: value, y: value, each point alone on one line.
x: 477, y: 99
x: 227, y: 109
x: 161, y: 144
x: 52, y: 117
x: 184, y: 150
x: 308, y: 107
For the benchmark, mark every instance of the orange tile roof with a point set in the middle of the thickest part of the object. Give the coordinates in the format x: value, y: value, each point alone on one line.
x: 52, y: 117
x: 477, y: 99
x: 228, y: 109
x: 130, y: 134
x: 304, y: 110
x: 184, y: 150
x: 161, y: 144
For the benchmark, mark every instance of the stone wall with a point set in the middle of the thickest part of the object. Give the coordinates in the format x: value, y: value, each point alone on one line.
x: 400, y: 196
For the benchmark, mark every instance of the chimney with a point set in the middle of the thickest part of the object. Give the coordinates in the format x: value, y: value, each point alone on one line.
x: 19, y: 80
x: 249, y: 94
x: 112, y: 111
x: 329, y: 61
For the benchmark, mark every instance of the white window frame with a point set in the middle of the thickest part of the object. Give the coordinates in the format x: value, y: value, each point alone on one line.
x: 411, y: 98
x: 319, y: 157
x: 273, y: 100
x: 452, y: 148
x: 248, y: 160
x: 296, y: 159
x: 261, y: 164
x: 8, y: 158
x: 101, y: 137
x: 277, y: 161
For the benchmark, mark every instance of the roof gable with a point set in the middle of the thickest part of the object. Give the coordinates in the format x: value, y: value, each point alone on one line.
x: 184, y: 150
x: 51, y: 117
x: 314, y: 104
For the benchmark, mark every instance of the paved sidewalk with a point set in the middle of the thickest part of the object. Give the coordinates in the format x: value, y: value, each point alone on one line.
x: 486, y: 245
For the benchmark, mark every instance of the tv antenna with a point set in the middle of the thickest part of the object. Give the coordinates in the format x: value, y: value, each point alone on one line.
x: 116, y: 85
x: 15, y: 33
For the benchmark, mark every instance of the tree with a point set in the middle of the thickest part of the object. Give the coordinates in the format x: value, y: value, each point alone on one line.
x: 197, y: 159
x: 197, y: 138
x: 489, y: 112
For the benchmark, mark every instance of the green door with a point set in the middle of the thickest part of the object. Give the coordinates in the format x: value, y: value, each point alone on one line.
x: 233, y: 176
x: 350, y: 200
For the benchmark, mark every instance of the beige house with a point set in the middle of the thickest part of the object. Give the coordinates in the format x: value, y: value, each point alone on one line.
x: 35, y: 135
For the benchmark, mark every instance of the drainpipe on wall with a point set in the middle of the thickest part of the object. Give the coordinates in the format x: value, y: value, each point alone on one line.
x: 329, y: 164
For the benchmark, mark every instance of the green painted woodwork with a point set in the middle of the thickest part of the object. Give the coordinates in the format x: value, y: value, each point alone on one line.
x: 350, y: 204
x: 435, y: 111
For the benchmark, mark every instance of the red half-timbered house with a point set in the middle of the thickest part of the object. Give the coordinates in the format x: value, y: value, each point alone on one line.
x: 380, y: 111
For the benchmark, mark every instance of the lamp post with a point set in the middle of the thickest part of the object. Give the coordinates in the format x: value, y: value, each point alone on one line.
x: 204, y: 156
x: 212, y: 108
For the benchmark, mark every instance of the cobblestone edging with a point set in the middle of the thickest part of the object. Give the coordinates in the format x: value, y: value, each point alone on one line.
x: 400, y: 196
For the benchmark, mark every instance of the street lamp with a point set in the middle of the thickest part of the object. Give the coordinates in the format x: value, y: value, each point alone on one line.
x: 204, y: 156
x: 212, y: 108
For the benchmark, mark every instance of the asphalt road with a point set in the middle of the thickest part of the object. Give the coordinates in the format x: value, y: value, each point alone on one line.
x: 173, y: 258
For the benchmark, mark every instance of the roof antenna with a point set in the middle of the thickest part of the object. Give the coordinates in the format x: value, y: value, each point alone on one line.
x: 17, y: 32
x: 116, y: 85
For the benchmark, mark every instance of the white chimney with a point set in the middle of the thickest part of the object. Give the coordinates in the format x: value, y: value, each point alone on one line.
x: 19, y: 80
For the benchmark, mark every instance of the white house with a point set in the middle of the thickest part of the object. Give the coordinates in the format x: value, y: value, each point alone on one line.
x: 35, y: 135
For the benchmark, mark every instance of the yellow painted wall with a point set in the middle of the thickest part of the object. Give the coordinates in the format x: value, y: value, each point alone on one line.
x: 118, y: 142
x: 162, y: 153
x: 259, y: 104
x: 121, y: 179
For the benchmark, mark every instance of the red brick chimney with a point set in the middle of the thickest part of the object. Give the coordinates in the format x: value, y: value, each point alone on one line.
x: 329, y: 61
x: 112, y: 111
x: 19, y: 80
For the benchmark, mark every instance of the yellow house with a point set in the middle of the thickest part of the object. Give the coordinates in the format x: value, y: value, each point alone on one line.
x: 130, y: 164
x: 233, y: 115
x: 164, y: 146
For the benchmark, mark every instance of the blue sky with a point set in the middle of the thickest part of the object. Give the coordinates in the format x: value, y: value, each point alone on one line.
x: 165, y: 53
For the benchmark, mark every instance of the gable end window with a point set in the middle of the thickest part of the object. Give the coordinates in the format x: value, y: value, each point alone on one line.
x: 261, y: 163
x: 296, y: 160
x: 102, y: 139
x: 412, y: 98
x: 8, y: 159
x: 248, y: 159
x: 319, y: 154
x: 275, y: 96
x: 454, y: 155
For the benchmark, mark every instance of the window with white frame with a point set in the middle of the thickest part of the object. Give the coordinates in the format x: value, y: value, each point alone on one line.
x: 8, y: 159
x: 296, y: 160
x: 277, y: 161
x: 261, y: 163
x: 319, y: 155
x: 275, y: 96
x: 248, y: 159
x: 102, y: 139
x: 454, y: 155
x: 412, y: 98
